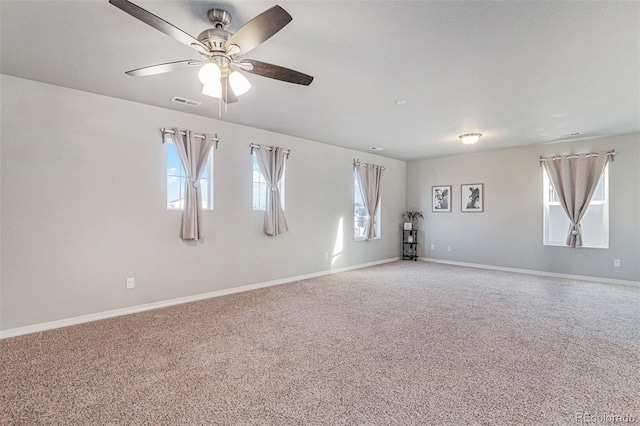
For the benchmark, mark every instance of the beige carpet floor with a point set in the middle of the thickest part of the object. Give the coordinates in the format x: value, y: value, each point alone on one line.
x: 396, y: 344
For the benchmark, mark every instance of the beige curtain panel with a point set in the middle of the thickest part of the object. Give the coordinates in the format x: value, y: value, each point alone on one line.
x: 271, y: 161
x: 193, y: 152
x: 574, y: 178
x: 370, y: 176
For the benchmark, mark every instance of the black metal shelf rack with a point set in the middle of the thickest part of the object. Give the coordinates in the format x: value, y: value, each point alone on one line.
x: 409, y: 244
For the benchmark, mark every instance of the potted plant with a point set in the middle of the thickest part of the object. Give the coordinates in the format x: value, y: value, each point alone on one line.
x: 413, y: 215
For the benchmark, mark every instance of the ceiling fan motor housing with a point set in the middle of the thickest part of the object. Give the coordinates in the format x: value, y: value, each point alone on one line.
x: 215, y: 39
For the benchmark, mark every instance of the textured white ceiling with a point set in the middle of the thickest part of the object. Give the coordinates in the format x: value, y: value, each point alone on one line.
x: 518, y: 72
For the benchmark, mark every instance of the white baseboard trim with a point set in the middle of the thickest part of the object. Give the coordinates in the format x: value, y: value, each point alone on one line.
x: 35, y: 328
x: 534, y: 272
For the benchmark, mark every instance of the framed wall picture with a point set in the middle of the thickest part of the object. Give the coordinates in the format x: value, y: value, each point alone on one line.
x: 441, y: 198
x: 472, y: 197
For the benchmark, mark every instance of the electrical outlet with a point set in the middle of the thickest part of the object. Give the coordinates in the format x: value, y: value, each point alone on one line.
x: 326, y: 256
x: 130, y: 282
x: 433, y: 246
x: 616, y: 263
x: 449, y: 248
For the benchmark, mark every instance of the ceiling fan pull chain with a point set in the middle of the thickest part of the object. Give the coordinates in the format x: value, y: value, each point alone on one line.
x: 226, y: 92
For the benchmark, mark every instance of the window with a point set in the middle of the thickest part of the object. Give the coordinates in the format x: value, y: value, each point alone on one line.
x: 360, y: 213
x: 176, y: 178
x: 260, y: 187
x: 594, y: 224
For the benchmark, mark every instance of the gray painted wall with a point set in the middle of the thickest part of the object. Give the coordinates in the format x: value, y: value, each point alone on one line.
x: 84, y: 207
x: 509, y: 233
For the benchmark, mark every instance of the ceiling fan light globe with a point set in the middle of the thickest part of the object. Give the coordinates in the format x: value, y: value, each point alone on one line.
x: 214, y: 90
x: 239, y: 83
x: 209, y: 74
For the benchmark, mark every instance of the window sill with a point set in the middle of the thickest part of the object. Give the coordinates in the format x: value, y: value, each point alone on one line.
x: 179, y: 210
x: 582, y: 247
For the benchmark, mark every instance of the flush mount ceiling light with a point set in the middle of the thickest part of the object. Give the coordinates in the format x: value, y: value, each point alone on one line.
x: 470, y: 138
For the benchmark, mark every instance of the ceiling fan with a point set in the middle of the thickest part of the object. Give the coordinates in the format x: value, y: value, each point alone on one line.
x: 221, y: 51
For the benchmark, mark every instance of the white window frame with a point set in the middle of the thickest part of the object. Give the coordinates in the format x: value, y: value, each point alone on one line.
x: 206, y: 189
x: 262, y: 201
x: 356, y: 192
x: 547, y: 201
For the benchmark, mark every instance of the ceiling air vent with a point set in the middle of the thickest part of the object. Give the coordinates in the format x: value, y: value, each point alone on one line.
x: 183, y: 101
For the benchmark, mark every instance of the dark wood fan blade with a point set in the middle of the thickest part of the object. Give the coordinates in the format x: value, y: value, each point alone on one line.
x: 227, y: 94
x: 162, y: 68
x: 158, y: 23
x: 278, y: 72
x: 260, y: 29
